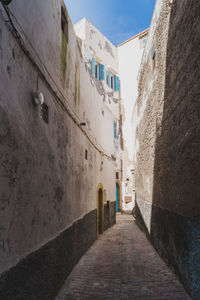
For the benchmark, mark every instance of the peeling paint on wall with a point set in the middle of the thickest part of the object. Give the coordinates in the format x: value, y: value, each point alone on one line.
x: 108, y: 48
x: 100, y: 45
x: 99, y: 87
x: 91, y: 33
x: 44, y: 178
x: 91, y: 49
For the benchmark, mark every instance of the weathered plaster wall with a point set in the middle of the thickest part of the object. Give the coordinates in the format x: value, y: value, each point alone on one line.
x: 95, y: 45
x: 167, y: 182
x: 130, y: 54
x: 96, y: 42
x: 177, y: 155
x: 148, y: 109
x: 47, y: 185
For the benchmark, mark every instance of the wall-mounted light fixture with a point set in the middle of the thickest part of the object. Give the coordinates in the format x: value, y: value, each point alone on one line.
x: 38, y: 98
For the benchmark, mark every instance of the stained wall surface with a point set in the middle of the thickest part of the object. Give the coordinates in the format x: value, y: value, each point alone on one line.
x: 95, y: 46
x: 167, y: 174
x: 48, y: 195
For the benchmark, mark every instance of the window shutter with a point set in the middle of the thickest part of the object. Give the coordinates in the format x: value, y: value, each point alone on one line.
x: 101, y: 72
x: 93, y: 64
x: 115, y: 129
x: 116, y: 83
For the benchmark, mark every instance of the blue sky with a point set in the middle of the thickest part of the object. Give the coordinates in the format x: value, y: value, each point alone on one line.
x: 118, y: 20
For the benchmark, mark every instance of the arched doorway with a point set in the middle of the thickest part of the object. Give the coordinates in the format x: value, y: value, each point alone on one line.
x: 117, y: 197
x: 100, y: 209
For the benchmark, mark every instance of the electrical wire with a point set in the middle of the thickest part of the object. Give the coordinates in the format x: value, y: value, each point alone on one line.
x: 20, y: 41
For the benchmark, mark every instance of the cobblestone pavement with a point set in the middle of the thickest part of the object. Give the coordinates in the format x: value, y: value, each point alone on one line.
x: 122, y: 264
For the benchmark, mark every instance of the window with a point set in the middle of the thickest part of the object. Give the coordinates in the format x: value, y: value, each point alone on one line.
x: 115, y: 130
x: 101, y: 72
x: 116, y: 79
x: 64, y: 24
x: 93, y: 66
x: 97, y: 71
x: 111, y: 81
x: 117, y: 175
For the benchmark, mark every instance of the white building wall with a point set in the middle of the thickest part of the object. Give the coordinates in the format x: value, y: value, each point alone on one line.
x: 95, y: 45
x: 130, y: 55
x: 50, y: 156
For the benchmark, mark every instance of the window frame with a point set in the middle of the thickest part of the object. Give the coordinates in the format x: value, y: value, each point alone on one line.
x: 96, y: 75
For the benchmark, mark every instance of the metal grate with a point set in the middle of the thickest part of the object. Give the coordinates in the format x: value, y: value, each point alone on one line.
x: 45, y: 113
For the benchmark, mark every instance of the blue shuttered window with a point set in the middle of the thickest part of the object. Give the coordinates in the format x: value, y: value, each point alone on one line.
x: 115, y: 129
x: 116, y: 83
x: 101, y: 72
x: 93, y: 65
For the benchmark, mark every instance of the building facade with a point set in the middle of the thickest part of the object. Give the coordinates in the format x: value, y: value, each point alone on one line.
x: 167, y: 139
x: 101, y: 56
x: 88, y: 129
x: 130, y: 55
x: 59, y: 146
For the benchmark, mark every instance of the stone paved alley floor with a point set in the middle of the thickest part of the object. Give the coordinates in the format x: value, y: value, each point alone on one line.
x: 122, y: 264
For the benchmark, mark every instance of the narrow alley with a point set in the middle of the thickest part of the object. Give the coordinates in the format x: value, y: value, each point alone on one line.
x: 94, y: 126
x: 122, y: 264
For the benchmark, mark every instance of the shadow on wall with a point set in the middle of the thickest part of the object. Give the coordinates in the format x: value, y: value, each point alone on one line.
x: 175, y: 215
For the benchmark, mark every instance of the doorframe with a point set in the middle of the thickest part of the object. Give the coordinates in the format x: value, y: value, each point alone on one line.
x: 118, y: 182
x: 100, y: 187
x: 117, y: 197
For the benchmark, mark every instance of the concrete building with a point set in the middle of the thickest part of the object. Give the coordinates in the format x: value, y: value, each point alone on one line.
x: 87, y: 129
x: 59, y: 113
x: 101, y: 57
x: 166, y: 117
x: 130, y: 55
